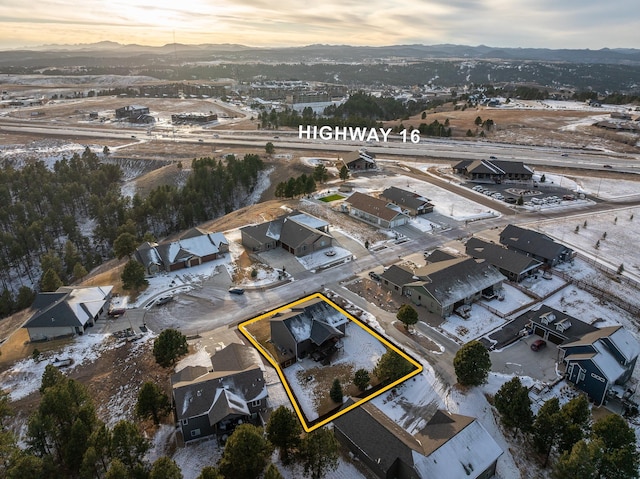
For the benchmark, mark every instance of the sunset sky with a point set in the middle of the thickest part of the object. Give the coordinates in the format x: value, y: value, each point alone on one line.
x: 503, y: 23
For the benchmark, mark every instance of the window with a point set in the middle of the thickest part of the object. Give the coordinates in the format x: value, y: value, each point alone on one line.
x: 255, y: 403
x: 185, y: 422
x: 195, y: 432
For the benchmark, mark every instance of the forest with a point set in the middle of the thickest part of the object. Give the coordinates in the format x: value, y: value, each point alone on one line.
x: 62, y: 221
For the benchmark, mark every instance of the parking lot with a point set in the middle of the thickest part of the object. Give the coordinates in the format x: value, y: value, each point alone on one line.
x: 536, y: 195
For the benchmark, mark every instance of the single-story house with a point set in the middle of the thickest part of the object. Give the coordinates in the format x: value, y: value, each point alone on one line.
x: 536, y: 245
x: 358, y: 160
x: 446, y: 285
x: 213, y: 400
x: 515, y: 266
x: 494, y: 171
x: 448, y: 446
x: 298, y: 233
x: 395, y: 277
x: 313, y: 328
x: 600, y: 360
x: 68, y: 311
x: 195, y: 247
x: 375, y: 210
x: 411, y: 203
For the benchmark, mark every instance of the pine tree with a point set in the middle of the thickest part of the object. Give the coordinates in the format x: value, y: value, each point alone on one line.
x: 152, y: 402
x: 283, y: 431
x: 335, y: 393
x: 407, y: 315
x: 514, y: 405
x: 472, y: 364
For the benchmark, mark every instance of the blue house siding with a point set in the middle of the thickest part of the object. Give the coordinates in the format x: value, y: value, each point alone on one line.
x: 196, y: 427
x: 589, y: 378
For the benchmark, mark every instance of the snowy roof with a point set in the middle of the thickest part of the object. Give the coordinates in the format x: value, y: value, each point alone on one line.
x: 607, y: 363
x: 626, y: 343
x: 196, y: 242
x: 531, y: 242
x: 308, y: 220
x: 300, y: 320
x: 501, y: 257
x: 404, y: 198
x: 225, y: 404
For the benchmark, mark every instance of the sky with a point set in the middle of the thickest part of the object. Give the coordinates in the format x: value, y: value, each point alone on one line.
x: 590, y: 24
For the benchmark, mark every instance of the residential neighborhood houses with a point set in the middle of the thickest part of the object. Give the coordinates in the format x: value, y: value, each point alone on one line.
x: 537, y: 245
x: 375, y: 210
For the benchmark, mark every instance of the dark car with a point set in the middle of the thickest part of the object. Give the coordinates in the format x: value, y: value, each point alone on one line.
x: 374, y: 276
x: 538, y: 344
x: 607, y: 166
x: 116, y: 312
x: 511, y: 200
x: 236, y: 291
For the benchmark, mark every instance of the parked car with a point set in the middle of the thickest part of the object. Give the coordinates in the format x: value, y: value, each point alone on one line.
x: 236, y: 291
x: 464, y: 311
x: 607, y: 166
x: 493, y: 157
x: 511, y: 200
x: 538, y: 344
x: 163, y: 300
x: 374, y: 276
x: 117, y: 312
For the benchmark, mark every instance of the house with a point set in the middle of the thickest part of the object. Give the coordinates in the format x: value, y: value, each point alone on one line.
x: 494, y: 171
x: 358, y: 160
x: 68, y: 311
x: 555, y: 326
x: 214, y: 400
x: 515, y: 266
x: 298, y: 233
x: 313, y: 328
x: 536, y: 245
x: 131, y: 112
x: 444, y: 286
x: 410, y: 203
x: 194, y: 247
x: 395, y: 277
x: 375, y: 211
x: 448, y: 446
x: 599, y: 360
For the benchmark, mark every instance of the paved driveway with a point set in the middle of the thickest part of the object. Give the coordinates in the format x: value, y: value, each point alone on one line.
x: 518, y: 359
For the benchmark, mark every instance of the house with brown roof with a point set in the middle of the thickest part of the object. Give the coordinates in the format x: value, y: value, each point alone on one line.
x: 375, y: 211
x: 311, y: 329
x: 410, y: 203
x: 215, y: 400
x: 444, y: 286
x: 194, y: 247
x: 360, y: 160
x: 450, y: 446
x: 298, y: 233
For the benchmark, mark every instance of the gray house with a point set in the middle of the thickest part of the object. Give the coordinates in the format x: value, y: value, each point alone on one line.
x: 395, y: 277
x: 215, y: 400
x: 410, y: 203
x: 536, y: 245
x: 298, y: 233
x: 358, y: 160
x: 448, y: 446
x: 312, y: 328
x: 68, y: 311
x: 515, y: 266
x: 555, y: 326
x: 494, y: 171
x: 375, y: 211
x: 600, y: 360
x: 445, y: 285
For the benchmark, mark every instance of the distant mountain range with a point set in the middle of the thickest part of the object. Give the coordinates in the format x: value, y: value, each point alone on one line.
x: 334, y: 53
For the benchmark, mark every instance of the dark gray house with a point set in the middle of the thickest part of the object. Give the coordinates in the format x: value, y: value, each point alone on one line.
x: 600, y: 360
x: 358, y: 161
x: 494, y: 171
x: 448, y: 446
x: 131, y: 112
x: 443, y: 286
x: 410, y: 203
x: 298, y: 233
x: 395, y: 277
x: 515, y: 266
x: 555, y: 326
x: 536, y: 245
x: 312, y: 328
x: 215, y: 400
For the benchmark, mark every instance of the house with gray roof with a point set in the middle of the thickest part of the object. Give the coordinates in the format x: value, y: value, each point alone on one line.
x: 193, y: 248
x: 375, y: 211
x: 411, y: 203
x: 555, y: 326
x: 536, y: 245
x: 600, y: 360
x: 312, y: 328
x: 494, y: 171
x: 446, y: 285
x: 515, y: 266
x: 213, y: 401
x: 448, y: 445
x: 298, y: 233
x: 395, y: 277
x: 67, y: 312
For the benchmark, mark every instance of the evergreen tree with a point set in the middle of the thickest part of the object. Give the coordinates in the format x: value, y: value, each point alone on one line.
x: 320, y: 173
x: 576, y: 415
x: 152, y: 402
x: 272, y: 472
x: 344, y: 173
x: 133, y: 276
x: 319, y: 453
x: 50, y: 281
x: 283, y: 431
x: 361, y: 379
x: 619, y: 453
x: 125, y: 245
x: 514, y: 405
x: 391, y: 367
x: 547, y: 428
x: 209, y: 472
x: 246, y: 453
x: 165, y: 468
x: 472, y: 364
x: 169, y: 346
x: 336, y: 391
x: 269, y: 148
x: 129, y: 446
x: 407, y: 315
x: 581, y: 463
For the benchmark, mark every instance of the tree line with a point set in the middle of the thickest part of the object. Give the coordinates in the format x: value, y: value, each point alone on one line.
x: 58, y: 223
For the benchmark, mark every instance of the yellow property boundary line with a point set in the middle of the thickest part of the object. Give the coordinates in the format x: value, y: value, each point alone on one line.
x: 308, y: 427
